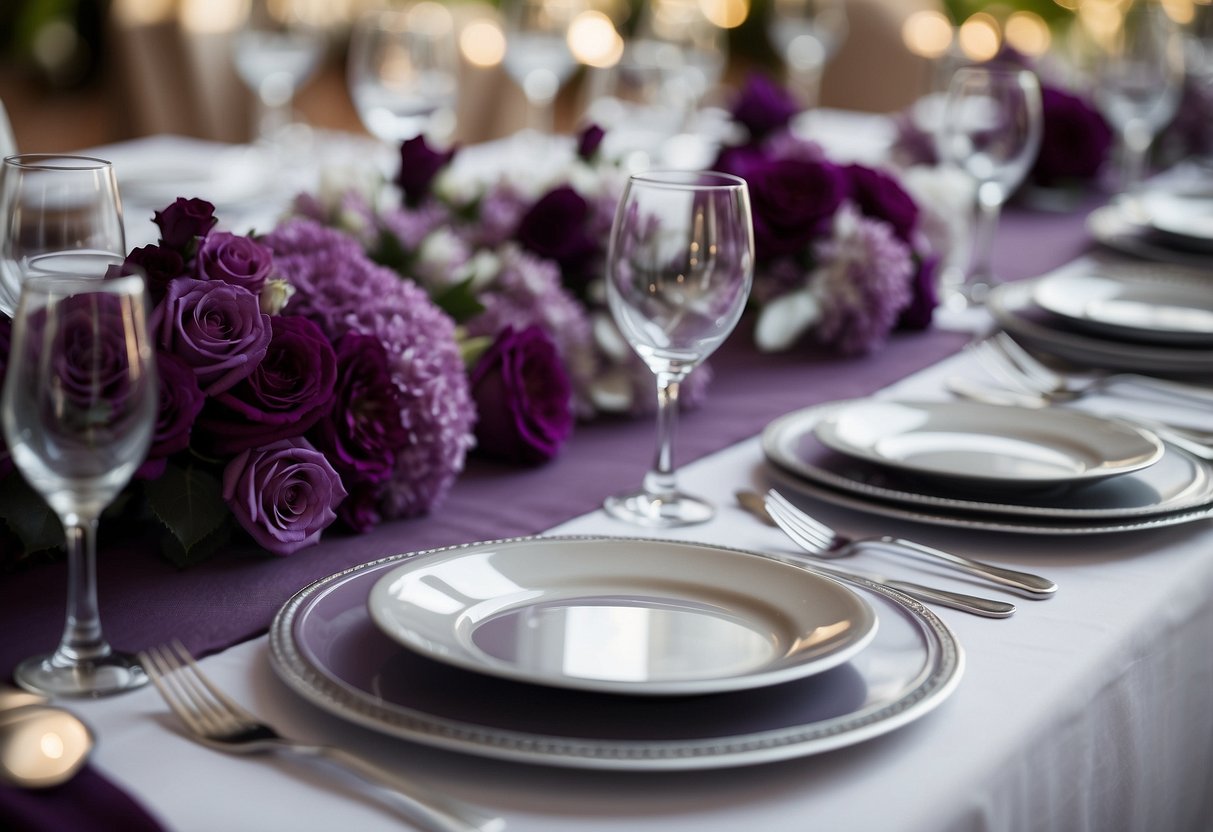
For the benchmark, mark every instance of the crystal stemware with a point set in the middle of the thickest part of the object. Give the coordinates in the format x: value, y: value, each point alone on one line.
x: 403, y: 71
x: 78, y: 406
x: 807, y: 34
x: 56, y: 205
x: 990, y: 129
x: 679, y: 270
x: 537, y: 53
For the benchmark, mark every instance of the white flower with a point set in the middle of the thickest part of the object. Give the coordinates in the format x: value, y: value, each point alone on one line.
x: 440, y: 257
x: 784, y: 320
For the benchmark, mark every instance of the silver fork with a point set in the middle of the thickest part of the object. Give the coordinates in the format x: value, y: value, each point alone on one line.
x: 1006, y: 359
x: 931, y: 595
x: 216, y: 721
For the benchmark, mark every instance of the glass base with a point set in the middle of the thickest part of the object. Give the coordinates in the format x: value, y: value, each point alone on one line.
x: 51, y: 674
x: 665, y: 511
x: 968, y: 295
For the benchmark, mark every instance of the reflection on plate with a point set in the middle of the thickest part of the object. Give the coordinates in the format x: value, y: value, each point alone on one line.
x: 621, y: 615
x: 324, y: 645
x: 1134, y: 303
x: 1178, y: 482
x: 1014, y: 309
x: 986, y: 445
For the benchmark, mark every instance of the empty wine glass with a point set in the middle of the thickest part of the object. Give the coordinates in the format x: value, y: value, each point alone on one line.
x: 807, y: 34
x: 1139, y: 72
x: 65, y: 206
x: 990, y: 129
x: 79, y: 402
x: 403, y: 71
x: 679, y: 270
x: 537, y: 54
x: 277, y: 48
x: 680, y: 52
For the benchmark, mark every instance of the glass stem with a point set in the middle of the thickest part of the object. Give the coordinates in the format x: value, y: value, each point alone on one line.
x: 1136, y: 149
x: 82, y: 638
x: 660, y: 482
x: 989, y: 207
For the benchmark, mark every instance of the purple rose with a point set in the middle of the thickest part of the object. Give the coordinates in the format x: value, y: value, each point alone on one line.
x: 1075, y: 141
x: 288, y: 392
x: 218, y: 330
x: 6, y: 340
x: 588, y: 141
x: 880, y: 196
x: 184, y: 221
x: 794, y: 201
x: 284, y: 494
x: 523, y: 398
x: 241, y: 261
x: 91, y: 357
x: 763, y: 106
x: 157, y: 264
x: 419, y: 164
x: 555, y: 228
x: 181, y: 401
x: 924, y: 295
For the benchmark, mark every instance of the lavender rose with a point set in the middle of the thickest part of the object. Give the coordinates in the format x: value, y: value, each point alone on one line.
x: 184, y: 221
x: 1075, y: 141
x: 181, y: 401
x: 288, y: 392
x: 763, y: 106
x: 284, y: 495
x: 878, y: 195
x: 241, y: 261
x: 794, y: 201
x: 588, y: 141
x: 419, y: 164
x: 523, y: 398
x: 218, y: 330
x: 555, y: 228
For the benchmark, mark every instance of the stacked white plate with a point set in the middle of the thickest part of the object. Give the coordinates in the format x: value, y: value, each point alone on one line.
x: 1168, y: 221
x: 603, y: 652
x: 969, y: 465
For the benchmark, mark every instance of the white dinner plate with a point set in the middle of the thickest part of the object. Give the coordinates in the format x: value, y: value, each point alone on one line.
x: 1182, y: 214
x: 325, y: 647
x: 1115, y: 228
x: 1137, y: 303
x: 987, y: 445
x: 621, y: 615
x: 1015, y: 310
x: 1178, y: 483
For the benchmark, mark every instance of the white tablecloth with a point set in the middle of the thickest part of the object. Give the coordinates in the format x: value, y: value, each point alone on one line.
x: 1088, y: 711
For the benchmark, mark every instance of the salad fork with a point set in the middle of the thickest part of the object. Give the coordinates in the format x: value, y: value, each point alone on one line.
x: 1006, y: 359
x: 216, y: 721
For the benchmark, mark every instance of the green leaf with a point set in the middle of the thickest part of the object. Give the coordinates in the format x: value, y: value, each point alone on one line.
x: 459, y: 301
x: 188, y: 500
x: 28, y: 516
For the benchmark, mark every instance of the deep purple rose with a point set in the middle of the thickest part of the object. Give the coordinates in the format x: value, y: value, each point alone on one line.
x: 419, y: 164
x: 588, y: 141
x: 879, y: 196
x: 288, y: 392
x: 1075, y: 141
x: 218, y: 330
x: 523, y: 398
x: 794, y: 201
x: 924, y: 295
x: 6, y: 340
x: 555, y: 228
x: 241, y: 261
x: 157, y: 264
x: 183, y: 222
x: 284, y: 494
x: 181, y: 401
x: 764, y: 106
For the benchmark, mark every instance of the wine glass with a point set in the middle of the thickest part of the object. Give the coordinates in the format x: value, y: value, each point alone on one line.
x: 78, y: 406
x: 403, y: 70
x: 990, y: 129
x: 56, y: 209
x: 682, y: 51
x: 537, y: 54
x: 1139, y: 72
x: 275, y: 51
x: 807, y: 34
x: 679, y: 270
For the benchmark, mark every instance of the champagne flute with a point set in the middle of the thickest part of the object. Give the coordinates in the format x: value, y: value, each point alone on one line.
x: 807, y: 34
x: 78, y: 406
x: 55, y: 209
x: 679, y: 271
x: 403, y: 71
x: 537, y: 54
x: 990, y: 129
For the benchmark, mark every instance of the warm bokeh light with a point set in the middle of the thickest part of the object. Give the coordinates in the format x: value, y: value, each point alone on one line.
x: 143, y: 12
x: 1182, y: 12
x: 212, y: 16
x: 1028, y: 33
x: 927, y: 34
x: 727, y: 14
x: 1069, y: 5
x: 431, y: 18
x: 979, y: 37
x: 1101, y: 19
x: 482, y: 43
x: 593, y: 40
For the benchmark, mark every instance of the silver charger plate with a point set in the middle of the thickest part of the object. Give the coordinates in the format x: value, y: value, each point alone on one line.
x: 326, y: 648
x: 1179, y: 482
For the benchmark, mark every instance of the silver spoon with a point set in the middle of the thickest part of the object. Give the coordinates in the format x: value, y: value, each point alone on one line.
x: 41, y: 745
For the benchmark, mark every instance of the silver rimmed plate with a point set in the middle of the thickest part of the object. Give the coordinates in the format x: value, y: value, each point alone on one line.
x: 1182, y: 215
x: 621, y: 615
x: 1178, y: 484
x: 325, y: 647
x: 1135, y: 303
x: 1117, y: 229
x: 985, y: 445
